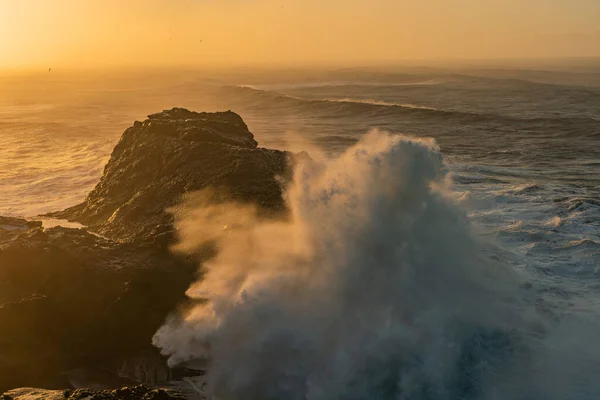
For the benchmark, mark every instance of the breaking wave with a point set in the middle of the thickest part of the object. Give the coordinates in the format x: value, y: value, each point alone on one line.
x: 374, y: 288
x: 277, y: 87
x: 383, y: 103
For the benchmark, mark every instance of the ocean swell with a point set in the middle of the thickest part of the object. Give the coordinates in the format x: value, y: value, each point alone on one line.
x: 351, y: 107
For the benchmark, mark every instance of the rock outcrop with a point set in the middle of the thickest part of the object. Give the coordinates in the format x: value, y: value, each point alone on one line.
x: 71, y: 298
x: 168, y: 155
x: 140, y: 392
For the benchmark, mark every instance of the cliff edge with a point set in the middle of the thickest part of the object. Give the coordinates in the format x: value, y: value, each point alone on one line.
x: 170, y: 154
x: 82, y: 299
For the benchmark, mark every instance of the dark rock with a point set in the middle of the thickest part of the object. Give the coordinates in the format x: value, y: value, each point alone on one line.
x: 135, y: 392
x: 170, y: 154
x: 70, y: 298
x: 140, y: 392
x: 161, y: 394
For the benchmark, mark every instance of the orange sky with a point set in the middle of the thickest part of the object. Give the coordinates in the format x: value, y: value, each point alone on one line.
x: 207, y: 32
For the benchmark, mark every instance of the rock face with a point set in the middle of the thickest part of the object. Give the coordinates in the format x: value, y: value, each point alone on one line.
x: 168, y: 155
x: 139, y: 392
x: 70, y: 298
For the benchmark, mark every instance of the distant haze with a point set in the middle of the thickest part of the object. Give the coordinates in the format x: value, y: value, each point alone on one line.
x: 94, y: 33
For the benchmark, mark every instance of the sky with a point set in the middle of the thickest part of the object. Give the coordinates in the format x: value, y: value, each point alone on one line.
x: 96, y: 33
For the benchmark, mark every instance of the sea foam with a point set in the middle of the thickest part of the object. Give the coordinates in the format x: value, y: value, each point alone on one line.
x: 374, y: 288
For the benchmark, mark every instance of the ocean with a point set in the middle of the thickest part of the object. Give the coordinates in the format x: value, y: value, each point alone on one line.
x: 522, y: 148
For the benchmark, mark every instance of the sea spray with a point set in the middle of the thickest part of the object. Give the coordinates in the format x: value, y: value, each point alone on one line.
x: 374, y: 288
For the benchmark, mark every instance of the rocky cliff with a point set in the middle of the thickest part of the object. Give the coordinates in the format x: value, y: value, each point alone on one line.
x: 73, y: 298
x: 68, y: 297
x: 170, y: 154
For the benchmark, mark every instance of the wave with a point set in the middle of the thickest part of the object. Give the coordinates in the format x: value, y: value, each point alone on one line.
x: 286, y: 86
x: 385, y: 103
x: 584, y: 244
x: 349, y: 107
x: 375, y: 288
x: 507, y: 79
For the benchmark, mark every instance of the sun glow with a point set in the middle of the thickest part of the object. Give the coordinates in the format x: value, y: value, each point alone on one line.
x: 197, y: 32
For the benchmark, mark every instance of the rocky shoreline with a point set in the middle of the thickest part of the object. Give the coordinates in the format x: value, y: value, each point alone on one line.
x: 74, y: 301
x: 142, y: 392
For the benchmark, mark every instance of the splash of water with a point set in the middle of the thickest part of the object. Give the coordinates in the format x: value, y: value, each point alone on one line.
x: 375, y: 288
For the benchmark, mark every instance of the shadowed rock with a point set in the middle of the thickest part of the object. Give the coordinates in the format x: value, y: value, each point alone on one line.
x: 140, y: 392
x: 70, y: 298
